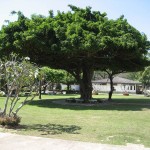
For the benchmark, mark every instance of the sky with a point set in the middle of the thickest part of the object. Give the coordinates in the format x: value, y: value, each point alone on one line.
x: 137, y: 12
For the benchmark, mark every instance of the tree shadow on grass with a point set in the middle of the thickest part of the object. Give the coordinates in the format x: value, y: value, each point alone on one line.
x: 120, y: 106
x: 51, y: 129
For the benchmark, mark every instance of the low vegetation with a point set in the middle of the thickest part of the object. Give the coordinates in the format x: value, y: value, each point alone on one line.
x: 10, y: 121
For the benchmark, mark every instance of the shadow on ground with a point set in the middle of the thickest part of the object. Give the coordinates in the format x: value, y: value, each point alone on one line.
x: 51, y: 129
x: 116, y: 105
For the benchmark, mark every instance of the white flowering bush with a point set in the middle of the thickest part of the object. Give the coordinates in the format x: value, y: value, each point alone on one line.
x: 17, y: 76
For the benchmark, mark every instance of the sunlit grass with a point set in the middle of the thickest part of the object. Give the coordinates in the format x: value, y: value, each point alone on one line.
x: 127, y: 120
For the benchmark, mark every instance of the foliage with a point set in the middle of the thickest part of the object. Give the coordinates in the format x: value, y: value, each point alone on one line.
x: 145, y: 77
x: 68, y: 78
x: 52, y: 75
x: 18, y: 76
x: 142, y: 76
x: 79, y: 41
x: 58, y: 86
x: 99, y: 75
x: 56, y: 76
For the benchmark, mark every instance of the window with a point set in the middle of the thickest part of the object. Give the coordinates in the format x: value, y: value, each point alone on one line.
x: 132, y: 87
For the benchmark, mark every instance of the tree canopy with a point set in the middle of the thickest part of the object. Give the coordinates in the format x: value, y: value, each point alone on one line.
x: 78, y: 41
x: 56, y: 76
x: 145, y: 77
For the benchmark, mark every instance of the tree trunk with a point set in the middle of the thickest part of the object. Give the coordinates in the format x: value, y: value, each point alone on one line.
x: 44, y: 88
x: 68, y: 86
x: 6, y: 103
x: 84, y: 79
x: 86, y: 84
x: 40, y: 90
x: 111, y: 88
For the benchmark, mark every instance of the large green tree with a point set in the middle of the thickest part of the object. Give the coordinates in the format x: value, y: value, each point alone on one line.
x: 79, y: 41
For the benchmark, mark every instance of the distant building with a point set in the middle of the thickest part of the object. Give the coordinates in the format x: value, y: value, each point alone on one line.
x: 74, y: 87
x: 120, y: 85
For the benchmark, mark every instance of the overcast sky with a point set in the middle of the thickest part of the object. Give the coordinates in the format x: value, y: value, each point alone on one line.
x: 137, y: 12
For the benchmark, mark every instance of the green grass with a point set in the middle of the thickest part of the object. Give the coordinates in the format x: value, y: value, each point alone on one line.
x: 125, y: 121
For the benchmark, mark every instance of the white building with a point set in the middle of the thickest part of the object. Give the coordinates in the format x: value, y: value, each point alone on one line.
x: 120, y: 85
x: 73, y: 87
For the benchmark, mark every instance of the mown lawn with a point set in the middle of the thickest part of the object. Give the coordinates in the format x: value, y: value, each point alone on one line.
x: 125, y: 121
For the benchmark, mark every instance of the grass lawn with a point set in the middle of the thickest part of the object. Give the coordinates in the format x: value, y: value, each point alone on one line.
x: 125, y: 121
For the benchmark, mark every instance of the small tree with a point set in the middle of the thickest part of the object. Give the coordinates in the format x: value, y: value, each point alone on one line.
x: 20, y: 77
x: 145, y: 77
x: 51, y: 76
x: 68, y: 80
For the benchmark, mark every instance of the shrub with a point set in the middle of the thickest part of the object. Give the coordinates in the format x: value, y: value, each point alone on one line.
x: 126, y: 94
x: 95, y: 93
x: 9, y: 120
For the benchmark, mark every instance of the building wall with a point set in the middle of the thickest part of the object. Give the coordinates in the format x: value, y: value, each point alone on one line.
x: 117, y: 87
x: 73, y: 87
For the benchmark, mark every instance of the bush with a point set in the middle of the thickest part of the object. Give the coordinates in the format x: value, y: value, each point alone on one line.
x: 9, y: 120
x: 94, y: 92
x: 126, y: 94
